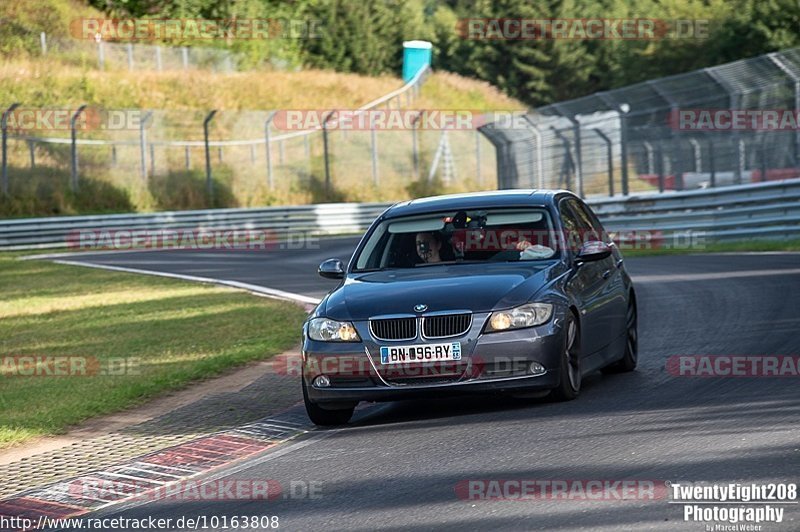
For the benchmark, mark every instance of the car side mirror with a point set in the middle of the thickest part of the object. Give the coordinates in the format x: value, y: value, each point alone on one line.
x: 331, y: 269
x: 593, y: 250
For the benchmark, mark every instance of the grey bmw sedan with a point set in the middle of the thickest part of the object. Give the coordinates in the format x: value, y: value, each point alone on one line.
x: 519, y: 292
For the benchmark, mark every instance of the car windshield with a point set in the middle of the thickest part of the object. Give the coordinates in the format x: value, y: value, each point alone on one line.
x: 499, y: 235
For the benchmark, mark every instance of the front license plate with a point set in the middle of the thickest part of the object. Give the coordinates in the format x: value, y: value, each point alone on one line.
x: 403, y: 354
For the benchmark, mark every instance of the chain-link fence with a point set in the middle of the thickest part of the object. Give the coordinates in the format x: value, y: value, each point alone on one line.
x: 151, y: 57
x: 159, y: 160
x: 730, y: 124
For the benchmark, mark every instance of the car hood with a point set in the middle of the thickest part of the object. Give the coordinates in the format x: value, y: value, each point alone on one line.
x: 475, y: 287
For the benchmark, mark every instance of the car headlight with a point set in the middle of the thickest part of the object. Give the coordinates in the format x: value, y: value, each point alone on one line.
x: 528, y: 315
x: 325, y: 330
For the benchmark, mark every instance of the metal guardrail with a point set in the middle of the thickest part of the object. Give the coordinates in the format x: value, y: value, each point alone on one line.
x: 763, y: 210
x: 755, y: 211
x: 322, y: 219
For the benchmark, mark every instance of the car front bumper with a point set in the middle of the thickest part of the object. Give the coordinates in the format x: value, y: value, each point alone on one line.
x: 497, y: 362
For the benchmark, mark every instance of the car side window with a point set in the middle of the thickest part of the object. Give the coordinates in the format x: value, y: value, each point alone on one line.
x: 572, y: 229
x: 588, y: 218
x: 588, y: 226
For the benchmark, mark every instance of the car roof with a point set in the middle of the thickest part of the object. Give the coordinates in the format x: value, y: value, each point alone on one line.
x: 475, y: 200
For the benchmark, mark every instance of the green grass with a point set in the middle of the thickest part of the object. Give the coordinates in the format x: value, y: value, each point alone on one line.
x: 180, y: 332
x: 720, y: 247
x: 117, y: 183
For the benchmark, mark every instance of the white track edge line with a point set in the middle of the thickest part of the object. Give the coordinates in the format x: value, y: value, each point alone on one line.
x: 260, y: 290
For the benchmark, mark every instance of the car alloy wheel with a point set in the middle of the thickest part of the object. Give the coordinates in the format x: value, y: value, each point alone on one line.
x: 570, y: 384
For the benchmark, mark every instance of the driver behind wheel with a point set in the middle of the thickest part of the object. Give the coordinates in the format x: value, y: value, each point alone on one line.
x: 428, y: 245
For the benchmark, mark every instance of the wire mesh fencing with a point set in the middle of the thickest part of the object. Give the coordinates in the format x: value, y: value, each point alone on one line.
x: 136, y: 56
x: 730, y: 124
x: 133, y: 159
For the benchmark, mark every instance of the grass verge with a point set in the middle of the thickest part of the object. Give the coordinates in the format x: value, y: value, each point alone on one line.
x: 162, y: 333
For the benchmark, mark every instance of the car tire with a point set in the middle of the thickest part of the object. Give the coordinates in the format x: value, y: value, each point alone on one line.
x: 569, y: 386
x: 631, y: 356
x: 323, y: 416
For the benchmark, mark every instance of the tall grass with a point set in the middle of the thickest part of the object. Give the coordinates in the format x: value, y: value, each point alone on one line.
x: 176, y: 177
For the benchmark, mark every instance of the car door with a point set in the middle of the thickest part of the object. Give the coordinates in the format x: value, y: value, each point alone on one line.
x: 612, y: 297
x: 588, y: 284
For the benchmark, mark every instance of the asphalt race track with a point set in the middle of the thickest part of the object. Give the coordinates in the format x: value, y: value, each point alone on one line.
x: 397, y: 466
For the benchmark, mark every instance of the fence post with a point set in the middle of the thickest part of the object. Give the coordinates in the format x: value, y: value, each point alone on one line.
x: 609, y: 157
x: 74, y: 147
x: 698, y: 155
x: 622, y: 110
x: 576, y: 128
x: 660, y: 166
x: 4, y: 129
x: 143, y: 143
x: 158, y: 58
x: 675, y: 151
x: 478, y: 157
x: 650, y: 157
x: 415, y: 145
x: 269, y: 148
x: 113, y: 155
x: 567, y: 156
x: 711, y: 165
x: 130, y: 56
x: 741, y: 159
x: 326, y: 151
x: 733, y: 102
x: 185, y: 57
x: 373, y: 136
x: 32, y: 152
x: 539, y: 149
x: 43, y: 42
x: 677, y: 167
x: 796, y: 80
x: 623, y: 146
x: 579, y: 157
x: 187, y: 158
x: 209, y: 182
x: 152, y: 159
x: 763, y: 157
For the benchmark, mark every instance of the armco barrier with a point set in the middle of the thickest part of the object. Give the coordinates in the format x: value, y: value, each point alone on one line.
x: 322, y: 219
x: 755, y: 211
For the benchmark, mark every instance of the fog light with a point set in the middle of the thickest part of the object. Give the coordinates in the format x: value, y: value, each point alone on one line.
x: 322, y: 381
x: 536, y: 368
